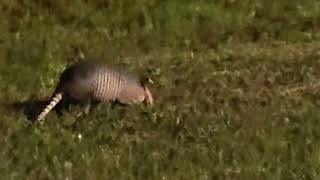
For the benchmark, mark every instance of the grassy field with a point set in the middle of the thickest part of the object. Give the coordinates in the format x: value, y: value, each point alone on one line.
x: 237, y: 89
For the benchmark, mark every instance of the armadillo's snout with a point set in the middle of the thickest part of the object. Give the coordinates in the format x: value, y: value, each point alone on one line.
x: 148, y: 97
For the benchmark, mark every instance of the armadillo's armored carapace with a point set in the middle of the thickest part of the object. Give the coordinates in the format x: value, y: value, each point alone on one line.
x: 88, y: 81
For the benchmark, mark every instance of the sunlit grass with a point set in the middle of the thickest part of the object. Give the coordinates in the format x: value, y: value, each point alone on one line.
x: 236, y: 90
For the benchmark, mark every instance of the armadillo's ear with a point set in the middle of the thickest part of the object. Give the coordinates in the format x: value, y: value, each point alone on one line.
x: 145, y: 80
x: 150, y: 80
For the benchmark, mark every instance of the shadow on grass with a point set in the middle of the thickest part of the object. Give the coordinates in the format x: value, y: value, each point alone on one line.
x: 31, y: 108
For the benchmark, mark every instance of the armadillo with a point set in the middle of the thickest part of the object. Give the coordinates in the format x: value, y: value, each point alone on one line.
x: 88, y: 81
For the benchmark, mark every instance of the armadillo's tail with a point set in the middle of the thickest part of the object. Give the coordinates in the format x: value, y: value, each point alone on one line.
x: 53, y: 102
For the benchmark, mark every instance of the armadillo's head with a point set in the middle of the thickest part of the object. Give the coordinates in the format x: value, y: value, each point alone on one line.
x: 148, y: 100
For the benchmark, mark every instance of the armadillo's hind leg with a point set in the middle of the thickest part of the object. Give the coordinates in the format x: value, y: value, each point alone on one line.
x: 60, y: 107
x: 90, y: 104
x: 87, y: 107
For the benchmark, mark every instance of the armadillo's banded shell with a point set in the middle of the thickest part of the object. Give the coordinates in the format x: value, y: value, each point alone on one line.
x: 107, y: 84
x: 111, y: 85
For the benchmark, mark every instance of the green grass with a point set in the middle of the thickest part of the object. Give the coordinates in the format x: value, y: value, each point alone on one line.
x: 236, y: 89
